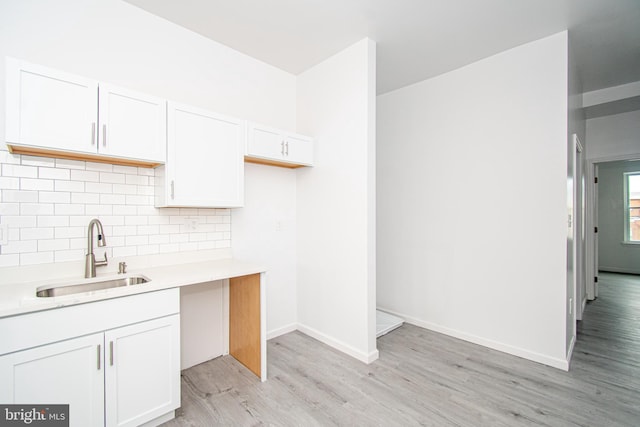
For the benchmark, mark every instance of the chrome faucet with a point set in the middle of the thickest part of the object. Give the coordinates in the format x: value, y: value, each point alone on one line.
x: 90, y: 260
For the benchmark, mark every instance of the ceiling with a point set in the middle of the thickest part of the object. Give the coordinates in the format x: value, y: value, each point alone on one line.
x: 417, y: 39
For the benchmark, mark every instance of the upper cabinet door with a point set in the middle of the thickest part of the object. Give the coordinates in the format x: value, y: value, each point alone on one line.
x: 279, y: 148
x: 205, y: 165
x: 132, y: 124
x: 51, y: 109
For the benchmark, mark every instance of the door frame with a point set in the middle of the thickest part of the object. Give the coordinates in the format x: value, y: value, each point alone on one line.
x: 592, y: 219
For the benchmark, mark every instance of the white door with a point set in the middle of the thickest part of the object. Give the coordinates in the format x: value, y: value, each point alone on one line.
x: 132, y: 124
x: 205, y: 158
x: 51, y: 109
x: 142, y: 376
x: 68, y: 372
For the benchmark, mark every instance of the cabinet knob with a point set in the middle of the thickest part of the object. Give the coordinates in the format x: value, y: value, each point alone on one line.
x: 104, y: 135
x: 93, y: 133
x: 172, y: 190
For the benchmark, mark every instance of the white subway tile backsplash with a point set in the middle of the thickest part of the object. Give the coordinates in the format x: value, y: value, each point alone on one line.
x: 68, y: 255
x: 53, y: 221
x: 54, y: 197
x: 69, y: 164
x: 36, y: 184
x: 101, y: 188
x: 127, y: 230
x: 136, y: 240
x: 124, y: 251
x: 68, y: 209
x: 99, y: 167
x: 19, y: 196
x: 20, y: 246
x: 137, y: 179
x: 9, y: 183
x: 53, y: 245
x: 8, y: 158
x: 112, y: 199
x: 36, y: 208
x: 85, y: 198
x: 96, y: 210
x: 169, y: 247
x: 47, y: 205
x: 38, y: 161
x: 138, y: 200
x: 159, y: 239
x: 69, y: 232
x: 19, y: 171
x: 9, y: 208
x: 18, y: 221
x: 36, y: 233
x: 86, y: 176
x: 125, y: 210
x: 125, y: 189
x: 53, y: 173
x: 113, y: 178
x: 128, y: 170
x: 9, y: 260
x: 36, y: 258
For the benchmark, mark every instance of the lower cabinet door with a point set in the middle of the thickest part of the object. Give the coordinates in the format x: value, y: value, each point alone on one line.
x: 142, y: 375
x: 67, y: 372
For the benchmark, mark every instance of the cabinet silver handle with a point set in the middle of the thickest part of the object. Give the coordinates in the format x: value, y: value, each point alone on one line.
x: 287, y: 145
x: 282, y: 148
x: 93, y: 133
x: 104, y: 135
x: 99, y: 356
x: 172, y: 190
x: 110, y: 353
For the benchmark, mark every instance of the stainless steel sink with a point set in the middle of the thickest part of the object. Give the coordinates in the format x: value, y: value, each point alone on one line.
x: 56, y: 291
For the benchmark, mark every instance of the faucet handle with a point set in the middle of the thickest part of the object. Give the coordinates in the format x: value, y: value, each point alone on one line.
x: 103, y: 262
x: 122, y: 267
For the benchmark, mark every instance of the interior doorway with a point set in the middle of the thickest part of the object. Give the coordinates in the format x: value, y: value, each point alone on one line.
x: 593, y: 225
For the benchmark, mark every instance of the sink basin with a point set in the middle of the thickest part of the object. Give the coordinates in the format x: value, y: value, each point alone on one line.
x: 56, y: 291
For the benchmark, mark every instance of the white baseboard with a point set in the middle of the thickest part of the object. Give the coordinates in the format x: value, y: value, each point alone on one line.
x: 618, y: 270
x: 339, y: 345
x: 281, y: 331
x: 505, y: 348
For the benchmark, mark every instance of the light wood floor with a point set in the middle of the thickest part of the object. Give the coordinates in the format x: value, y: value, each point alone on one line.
x: 425, y: 378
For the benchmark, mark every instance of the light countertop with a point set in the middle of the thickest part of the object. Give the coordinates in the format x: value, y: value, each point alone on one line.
x: 20, y: 298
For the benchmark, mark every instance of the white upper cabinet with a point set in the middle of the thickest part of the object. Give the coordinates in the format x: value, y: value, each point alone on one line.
x: 48, y: 108
x: 205, y: 165
x: 275, y: 147
x: 132, y: 124
x: 54, y: 113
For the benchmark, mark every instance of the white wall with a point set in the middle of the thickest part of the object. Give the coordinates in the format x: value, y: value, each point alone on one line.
x: 336, y: 202
x: 613, y: 136
x: 472, y: 201
x: 115, y: 42
x: 613, y: 254
x: 264, y: 231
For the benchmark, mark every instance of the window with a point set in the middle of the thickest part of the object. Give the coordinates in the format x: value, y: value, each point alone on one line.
x: 632, y: 206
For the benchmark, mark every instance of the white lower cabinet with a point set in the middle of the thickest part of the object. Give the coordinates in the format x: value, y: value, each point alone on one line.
x: 125, y: 376
x: 142, y: 372
x: 68, y: 372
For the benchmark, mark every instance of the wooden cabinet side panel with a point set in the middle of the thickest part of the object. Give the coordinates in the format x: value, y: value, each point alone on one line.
x: 244, y: 321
